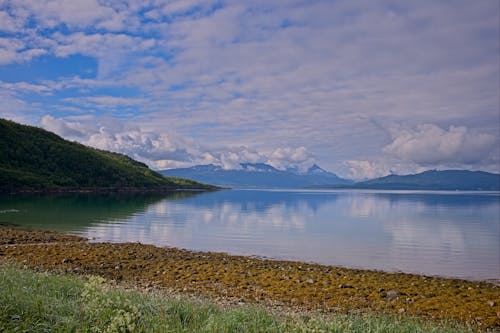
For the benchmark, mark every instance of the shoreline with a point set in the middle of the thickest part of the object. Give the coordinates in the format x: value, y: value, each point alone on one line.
x: 493, y: 281
x: 103, y: 190
x: 239, y: 279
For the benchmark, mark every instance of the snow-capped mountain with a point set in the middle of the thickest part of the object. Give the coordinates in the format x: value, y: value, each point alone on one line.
x: 258, y: 175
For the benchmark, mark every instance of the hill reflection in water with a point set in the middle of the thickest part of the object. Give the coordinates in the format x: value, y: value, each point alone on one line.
x: 72, y: 211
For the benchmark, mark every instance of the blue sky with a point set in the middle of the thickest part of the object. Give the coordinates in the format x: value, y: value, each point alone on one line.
x: 362, y: 88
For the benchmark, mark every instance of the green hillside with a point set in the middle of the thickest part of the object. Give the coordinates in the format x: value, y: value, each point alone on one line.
x: 437, y: 180
x: 33, y: 158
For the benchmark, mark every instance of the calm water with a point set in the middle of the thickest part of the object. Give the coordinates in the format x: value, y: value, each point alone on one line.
x: 454, y: 234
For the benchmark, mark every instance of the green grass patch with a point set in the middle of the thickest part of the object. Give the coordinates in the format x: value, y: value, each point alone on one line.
x: 48, y: 302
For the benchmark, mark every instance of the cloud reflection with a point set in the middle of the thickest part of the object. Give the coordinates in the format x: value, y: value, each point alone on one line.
x: 435, y: 234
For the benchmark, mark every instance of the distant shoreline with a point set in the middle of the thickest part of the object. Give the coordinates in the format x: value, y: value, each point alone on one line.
x: 399, y: 188
x: 363, y: 188
x: 103, y: 190
x: 289, y: 284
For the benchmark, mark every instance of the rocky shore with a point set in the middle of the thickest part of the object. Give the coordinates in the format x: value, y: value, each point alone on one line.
x: 290, y: 286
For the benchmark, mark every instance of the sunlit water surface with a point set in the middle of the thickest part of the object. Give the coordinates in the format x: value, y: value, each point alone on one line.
x: 453, y: 234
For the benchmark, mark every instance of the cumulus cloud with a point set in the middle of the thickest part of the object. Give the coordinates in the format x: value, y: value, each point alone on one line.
x: 282, y: 158
x: 364, y: 169
x: 429, y: 145
x: 380, y: 167
x: 160, y: 150
x: 163, y: 150
x: 15, y: 50
x: 69, y: 130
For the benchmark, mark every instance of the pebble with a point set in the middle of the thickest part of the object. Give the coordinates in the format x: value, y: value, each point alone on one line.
x: 392, y: 295
x: 491, y: 303
x: 345, y: 286
x: 309, y: 281
x: 402, y: 310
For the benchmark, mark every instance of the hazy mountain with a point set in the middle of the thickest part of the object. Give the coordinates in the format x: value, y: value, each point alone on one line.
x: 437, y: 180
x: 258, y: 175
x: 33, y: 158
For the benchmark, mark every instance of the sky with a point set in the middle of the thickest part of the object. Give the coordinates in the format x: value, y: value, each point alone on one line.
x: 362, y: 88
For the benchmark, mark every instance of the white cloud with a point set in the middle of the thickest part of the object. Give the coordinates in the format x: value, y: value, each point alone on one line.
x: 164, y: 150
x: 15, y: 108
x: 68, y: 130
x: 99, y: 45
x: 50, y: 13
x: 182, y: 6
x: 363, y: 169
x: 22, y: 87
x: 8, y: 23
x: 105, y: 101
x: 14, y: 50
x: 112, y: 50
x: 380, y: 167
x: 429, y: 145
x: 282, y: 158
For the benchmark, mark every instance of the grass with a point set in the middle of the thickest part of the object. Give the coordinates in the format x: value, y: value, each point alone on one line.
x: 49, y: 302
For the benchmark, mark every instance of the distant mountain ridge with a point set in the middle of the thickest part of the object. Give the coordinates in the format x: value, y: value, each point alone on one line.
x: 436, y: 180
x: 32, y: 158
x: 258, y: 175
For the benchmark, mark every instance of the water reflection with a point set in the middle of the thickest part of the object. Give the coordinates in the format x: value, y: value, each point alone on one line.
x: 66, y: 212
x: 449, y: 234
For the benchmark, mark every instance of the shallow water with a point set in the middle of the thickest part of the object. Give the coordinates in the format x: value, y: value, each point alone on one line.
x: 453, y: 234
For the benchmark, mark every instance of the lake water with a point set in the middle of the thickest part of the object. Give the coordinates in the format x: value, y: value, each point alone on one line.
x: 453, y: 234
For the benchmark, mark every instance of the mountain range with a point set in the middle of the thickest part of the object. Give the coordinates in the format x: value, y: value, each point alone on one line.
x: 258, y: 175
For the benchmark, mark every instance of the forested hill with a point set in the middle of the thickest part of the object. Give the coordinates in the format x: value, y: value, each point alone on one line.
x: 33, y: 158
x: 437, y: 180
